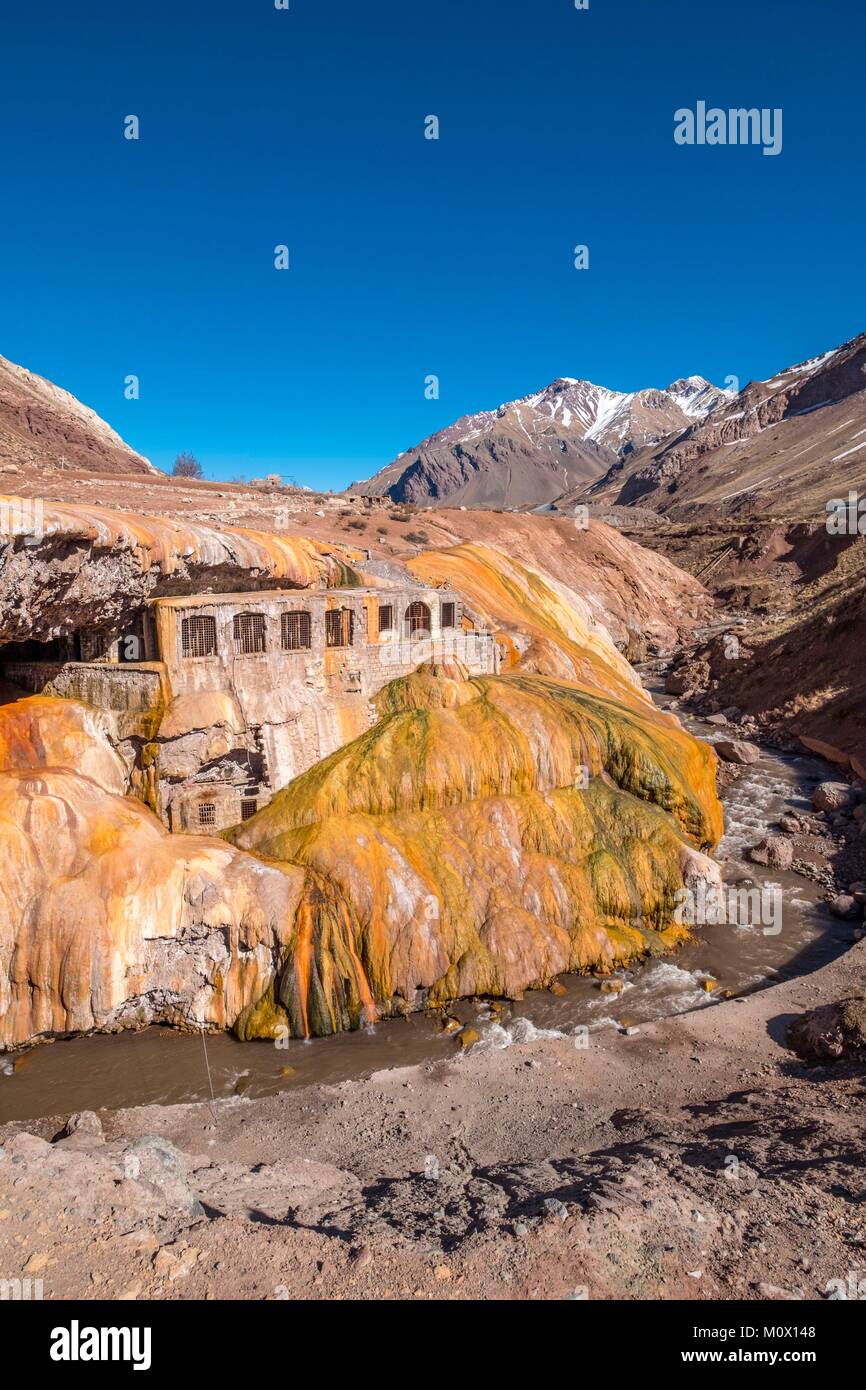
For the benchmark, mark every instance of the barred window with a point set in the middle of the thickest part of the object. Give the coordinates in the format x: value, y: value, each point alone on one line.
x: 207, y: 813
x: 449, y: 614
x: 418, y: 619
x: 386, y: 617
x: 296, y: 631
x: 94, y: 644
x: 339, y: 627
x: 198, y: 637
x: 249, y: 632
x: 249, y: 808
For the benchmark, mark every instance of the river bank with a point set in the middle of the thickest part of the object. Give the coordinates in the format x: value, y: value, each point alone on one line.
x: 696, y: 1159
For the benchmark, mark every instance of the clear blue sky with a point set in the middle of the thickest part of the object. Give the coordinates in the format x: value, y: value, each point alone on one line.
x: 409, y: 256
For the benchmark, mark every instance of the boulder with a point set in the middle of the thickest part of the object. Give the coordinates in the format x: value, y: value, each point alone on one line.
x: 85, y: 1122
x: 737, y: 751
x: 831, y: 1032
x: 834, y: 796
x: 774, y: 851
x: 845, y: 906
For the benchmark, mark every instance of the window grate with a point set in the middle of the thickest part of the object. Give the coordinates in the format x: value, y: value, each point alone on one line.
x: 249, y: 632
x: 339, y: 627
x: 206, y: 813
x: 386, y: 617
x: 418, y: 620
x: 248, y: 809
x: 296, y: 631
x: 449, y: 614
x: 198, y: 636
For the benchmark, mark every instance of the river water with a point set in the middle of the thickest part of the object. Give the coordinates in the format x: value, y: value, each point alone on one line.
x: 165, y: 1067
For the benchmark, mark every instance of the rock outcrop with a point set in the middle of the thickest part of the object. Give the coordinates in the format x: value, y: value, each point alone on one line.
x: 481, y: 843
x: 66, y: 566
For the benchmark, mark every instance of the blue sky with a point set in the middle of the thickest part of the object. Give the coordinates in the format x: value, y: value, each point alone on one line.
x: 411, y: 257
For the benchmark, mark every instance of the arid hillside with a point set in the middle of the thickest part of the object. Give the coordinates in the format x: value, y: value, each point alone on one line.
x: 43, y: 426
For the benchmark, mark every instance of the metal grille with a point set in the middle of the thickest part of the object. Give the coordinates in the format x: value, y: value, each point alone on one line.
x: 449, y: 613
x: 248, y: 809
x: 339, y: 627
x: 296, y: 631
x: 249, y: 632
x: 198, y: 636
x: 418, y: 619
x: 386, y: 617
x: 206, y: 813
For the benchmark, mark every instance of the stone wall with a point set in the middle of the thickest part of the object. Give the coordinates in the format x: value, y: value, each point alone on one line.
x: 133, y: 695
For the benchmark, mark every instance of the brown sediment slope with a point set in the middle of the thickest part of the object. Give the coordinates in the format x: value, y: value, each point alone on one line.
x: 44, y: 426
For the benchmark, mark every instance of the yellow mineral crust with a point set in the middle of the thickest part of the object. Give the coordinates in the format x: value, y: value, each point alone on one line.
x: 541, y: 626
x: 482, y: 844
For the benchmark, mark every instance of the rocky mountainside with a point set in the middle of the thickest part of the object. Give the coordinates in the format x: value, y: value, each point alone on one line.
x: 43, y: 426
x: 531, y: 450
x: 786, y: 445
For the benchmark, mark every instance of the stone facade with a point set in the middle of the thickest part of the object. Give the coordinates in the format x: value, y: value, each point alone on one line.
x: 265, y: 684
x: 218, y: 700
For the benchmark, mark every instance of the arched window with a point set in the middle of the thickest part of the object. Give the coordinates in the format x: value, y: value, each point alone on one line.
x: 418, y: 620
x: 198, y: 636
x: 296, y: 631
x: 249, y: 632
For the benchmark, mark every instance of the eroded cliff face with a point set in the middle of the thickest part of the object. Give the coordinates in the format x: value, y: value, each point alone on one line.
x: 66, y: 567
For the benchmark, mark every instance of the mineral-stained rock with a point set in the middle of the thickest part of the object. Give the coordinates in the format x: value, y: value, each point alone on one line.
x: 108, y: 921
x: 43, y: 731
x: 774, y: 850
x: 482, y: 837
x: 737, y: 751
x: 461, y: 850
x: 90, y: 566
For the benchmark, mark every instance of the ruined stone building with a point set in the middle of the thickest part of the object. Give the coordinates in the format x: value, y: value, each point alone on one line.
x: 218, y: 700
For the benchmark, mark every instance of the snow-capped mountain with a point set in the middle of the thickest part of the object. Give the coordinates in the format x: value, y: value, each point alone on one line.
x: 530, y: 450
x: 785, y: 445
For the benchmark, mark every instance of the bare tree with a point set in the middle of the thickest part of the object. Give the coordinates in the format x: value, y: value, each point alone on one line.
x: 187, y: 466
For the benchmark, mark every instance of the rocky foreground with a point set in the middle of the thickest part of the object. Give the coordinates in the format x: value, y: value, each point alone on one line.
x: 697, y: 1158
